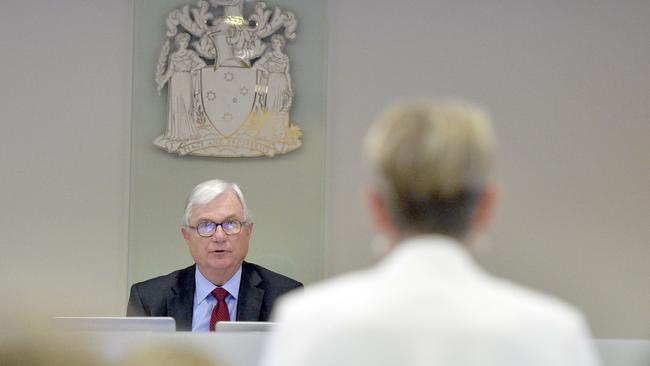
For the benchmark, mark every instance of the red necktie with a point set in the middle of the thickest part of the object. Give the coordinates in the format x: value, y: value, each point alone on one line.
x: 220, y: 311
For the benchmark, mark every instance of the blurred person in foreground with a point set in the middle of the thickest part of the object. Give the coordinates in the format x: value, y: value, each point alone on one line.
x: 94, y: 349
x: 427, y: 302
x: 220, y: 286
x: 167, y: 353
x: 46, y: 348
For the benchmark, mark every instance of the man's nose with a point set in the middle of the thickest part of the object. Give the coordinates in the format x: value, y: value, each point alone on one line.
x: 219, y: 233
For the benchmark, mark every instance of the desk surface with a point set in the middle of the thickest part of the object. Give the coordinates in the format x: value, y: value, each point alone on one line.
x: 236, y: 349
x: 244, y: 349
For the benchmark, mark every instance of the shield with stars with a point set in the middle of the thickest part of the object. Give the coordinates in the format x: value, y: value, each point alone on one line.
x: 228, y: 96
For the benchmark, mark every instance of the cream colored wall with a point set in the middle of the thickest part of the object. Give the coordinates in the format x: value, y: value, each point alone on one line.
x: 64, y: 157
x: 285, y: 193
x: 567, y: 84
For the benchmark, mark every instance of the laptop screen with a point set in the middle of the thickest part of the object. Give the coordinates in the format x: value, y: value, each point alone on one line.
x: 244, y: 326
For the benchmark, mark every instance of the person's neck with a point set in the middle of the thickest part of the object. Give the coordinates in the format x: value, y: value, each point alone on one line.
x: 404, y: 235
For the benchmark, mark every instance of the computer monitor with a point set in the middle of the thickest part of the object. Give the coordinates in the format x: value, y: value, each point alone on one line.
x: 239, y: 327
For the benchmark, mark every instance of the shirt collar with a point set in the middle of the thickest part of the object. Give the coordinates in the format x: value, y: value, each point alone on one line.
x: 204, y: 287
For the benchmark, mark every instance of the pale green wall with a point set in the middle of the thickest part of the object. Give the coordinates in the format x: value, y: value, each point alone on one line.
x: 285, y: 193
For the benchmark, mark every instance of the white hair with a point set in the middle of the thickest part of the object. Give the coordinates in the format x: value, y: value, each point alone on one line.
x: 209, y: 190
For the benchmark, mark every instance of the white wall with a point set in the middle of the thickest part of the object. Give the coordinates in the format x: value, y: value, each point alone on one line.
x: 64, y: 156
x: 567, y: 84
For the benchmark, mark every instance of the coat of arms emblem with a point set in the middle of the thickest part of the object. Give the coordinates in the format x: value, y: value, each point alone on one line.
x: 228, y: 80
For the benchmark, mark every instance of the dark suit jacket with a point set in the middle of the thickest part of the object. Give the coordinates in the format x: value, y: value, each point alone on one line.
x: 173, y: 295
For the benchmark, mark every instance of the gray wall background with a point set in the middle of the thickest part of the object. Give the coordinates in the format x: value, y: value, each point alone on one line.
x: 568, y: 86
x: 64, y: 158
x: 87, y: 198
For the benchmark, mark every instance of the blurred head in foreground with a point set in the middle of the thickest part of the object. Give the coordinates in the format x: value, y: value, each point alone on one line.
x: 46, y: 349
x: 431, y: 166
x: 166, y: 354
x: 73, y: 349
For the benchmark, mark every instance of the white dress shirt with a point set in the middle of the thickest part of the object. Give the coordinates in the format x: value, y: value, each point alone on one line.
x: 427, y: 303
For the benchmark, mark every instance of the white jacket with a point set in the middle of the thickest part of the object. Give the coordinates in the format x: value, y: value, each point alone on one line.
x: 427, y: 303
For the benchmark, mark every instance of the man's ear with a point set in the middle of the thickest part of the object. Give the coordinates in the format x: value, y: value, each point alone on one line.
x: 379, y: 212
x: 186, y: 233
x: 486, y: 207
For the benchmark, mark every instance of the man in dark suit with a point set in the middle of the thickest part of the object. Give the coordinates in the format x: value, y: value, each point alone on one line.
x: 221, y: 285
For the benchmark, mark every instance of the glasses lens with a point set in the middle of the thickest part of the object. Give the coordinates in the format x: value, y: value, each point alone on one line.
x: 206, y: 228
x: 231, y: 227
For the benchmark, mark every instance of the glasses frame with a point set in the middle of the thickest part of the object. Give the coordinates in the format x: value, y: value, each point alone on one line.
x: 216, y: 227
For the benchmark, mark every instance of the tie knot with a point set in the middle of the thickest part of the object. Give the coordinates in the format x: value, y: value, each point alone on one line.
x: 220, y: 293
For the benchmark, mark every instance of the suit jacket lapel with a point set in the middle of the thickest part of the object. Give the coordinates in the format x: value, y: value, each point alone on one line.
x: 180, y: 306
x: 249, y: 304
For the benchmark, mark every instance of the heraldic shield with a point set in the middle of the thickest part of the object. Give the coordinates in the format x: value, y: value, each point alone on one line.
x: 227, y: 97
x: 228, y: 81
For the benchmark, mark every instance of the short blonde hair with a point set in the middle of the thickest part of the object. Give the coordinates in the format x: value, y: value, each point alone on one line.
x: 431, y: 161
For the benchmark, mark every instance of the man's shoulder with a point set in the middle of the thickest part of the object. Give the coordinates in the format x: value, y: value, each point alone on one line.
x: 525, y: 305
x: 171, y: 279
x: 495, y: 298
x: 358, y: 288
x: 340, y: 302
x: 269, y: 277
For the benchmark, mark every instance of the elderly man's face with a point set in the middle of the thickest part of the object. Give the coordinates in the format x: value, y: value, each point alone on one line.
x: 220, y: 255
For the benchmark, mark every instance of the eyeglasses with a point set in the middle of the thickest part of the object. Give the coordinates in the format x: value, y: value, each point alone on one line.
x: 208, y: 228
